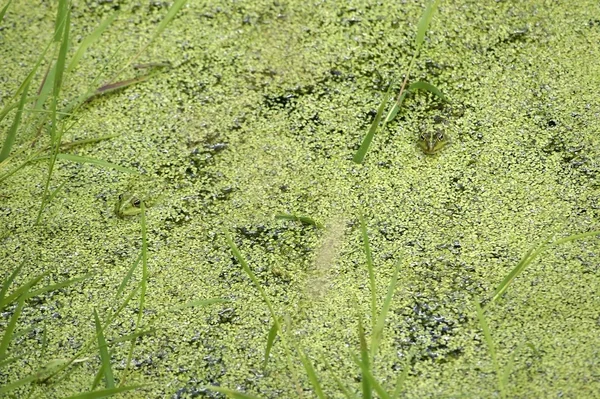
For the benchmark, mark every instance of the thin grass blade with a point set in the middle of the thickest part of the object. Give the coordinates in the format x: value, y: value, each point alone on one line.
x: 508, y: 369
x: 3, y: 11
x: 56, y: 286
x: 312, y: 375
x: 424, y: 22
x: 577, y: 237
x: 370, y: 268
x: 378, y: 331
x: 364, y: 362
x: 89, y: 40
x: 22, y: 290
x: 270, y: 340
x: 401, y: 380
x: 421, y: 85
x: 12, y: 132
x: 7, y: 284
x: 487, y: 335
x: 359, y: 157
x: 62, y: 53
x: 127, y: 277
x: 396, y: 108
x: 518, y: 269
x: 8, y: 332
x: 109, y: 378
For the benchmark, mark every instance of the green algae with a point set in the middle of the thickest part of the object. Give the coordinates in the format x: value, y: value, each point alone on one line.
x: 258, y: 116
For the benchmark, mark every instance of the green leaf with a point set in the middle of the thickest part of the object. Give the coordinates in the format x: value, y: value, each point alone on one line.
x: 312, y: 375
x: 89, y: 40
x: 378, y: 331
x: 359, y: 157
x: 12, y: 132
x: 109, y: 379
x: 421, y: 85
x: 270, y: 340
x: 8, y: 332
x: 4, y: 10
x: 424, y: 22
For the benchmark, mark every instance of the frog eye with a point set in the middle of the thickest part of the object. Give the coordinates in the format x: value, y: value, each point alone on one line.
x: 423, y: 136
x: 136, y: 202
x: 440, y: 136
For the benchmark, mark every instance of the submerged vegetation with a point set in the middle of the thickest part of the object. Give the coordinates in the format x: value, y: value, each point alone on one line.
x: 41, y: 118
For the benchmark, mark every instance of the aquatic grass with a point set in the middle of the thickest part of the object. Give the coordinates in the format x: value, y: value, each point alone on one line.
x: 422, y: 27
x: 530, y: 256
x: 277, y: 325
x: 3, y: 11
x: 491, y: 348
x: 109, y: 378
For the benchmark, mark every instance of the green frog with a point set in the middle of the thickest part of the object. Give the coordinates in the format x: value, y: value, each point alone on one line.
x: 130, y: 204
x: 432, y: 142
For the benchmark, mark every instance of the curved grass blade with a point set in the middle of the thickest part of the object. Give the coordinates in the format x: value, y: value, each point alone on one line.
x: 396, y: 108
x: 109, y: 379
x: 312, y: 375
x: 270, y: 340
x: 424, y: 22
x: 7, y: 284
x: 421, y: 85
x: 359, y: 157
x: 12, y: 132
x: 378, y: 331
x: 4, y: 10
x: 8, y: 332
x: 363, y: 363
x: 89, y: 40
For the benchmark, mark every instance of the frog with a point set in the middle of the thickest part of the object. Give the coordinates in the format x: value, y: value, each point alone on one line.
x: 432, y: 142
x: 130, y: 204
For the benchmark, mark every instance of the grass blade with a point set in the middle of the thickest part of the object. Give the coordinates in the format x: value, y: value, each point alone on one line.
x: 7, y: 284
x: 231, y: 393
x: 12, y: 132
x: 378, y: 331
x: 64, y: 47
x: 109, y: 379
x: 22, y: 289
x: 56, y: 286
x: 364, y: 362
x: 8, y: 332
x: 421, y: 85
x: 4, y: 10
x: 396, y: 108
x: 518, y: 269
x: 270, y: 340
x: 89, y: 40
x: 487, y: 335
x: 359, y: 157
x: 370, y: 267
x: 312, y: 375
x: 103, y: 393
x: 424, y: 22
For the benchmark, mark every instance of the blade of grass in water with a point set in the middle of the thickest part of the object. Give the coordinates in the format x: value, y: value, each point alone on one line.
x: 161, y: 27
x: 359, y: 157
x: 364, y: 361
x: 8, y: 331
x: 144, y: 283
x: 378, y: 331
x: 109, y: 379
x: 518, y: 269
x: 89, y: 40
x: 238, y: 256
x: 12, y: 132
x: 490, y: 344
x: 7, y: 284
x: 270, y: 340
x: 370, y: 268
x: 424, y: 22
x: 4, y: 10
